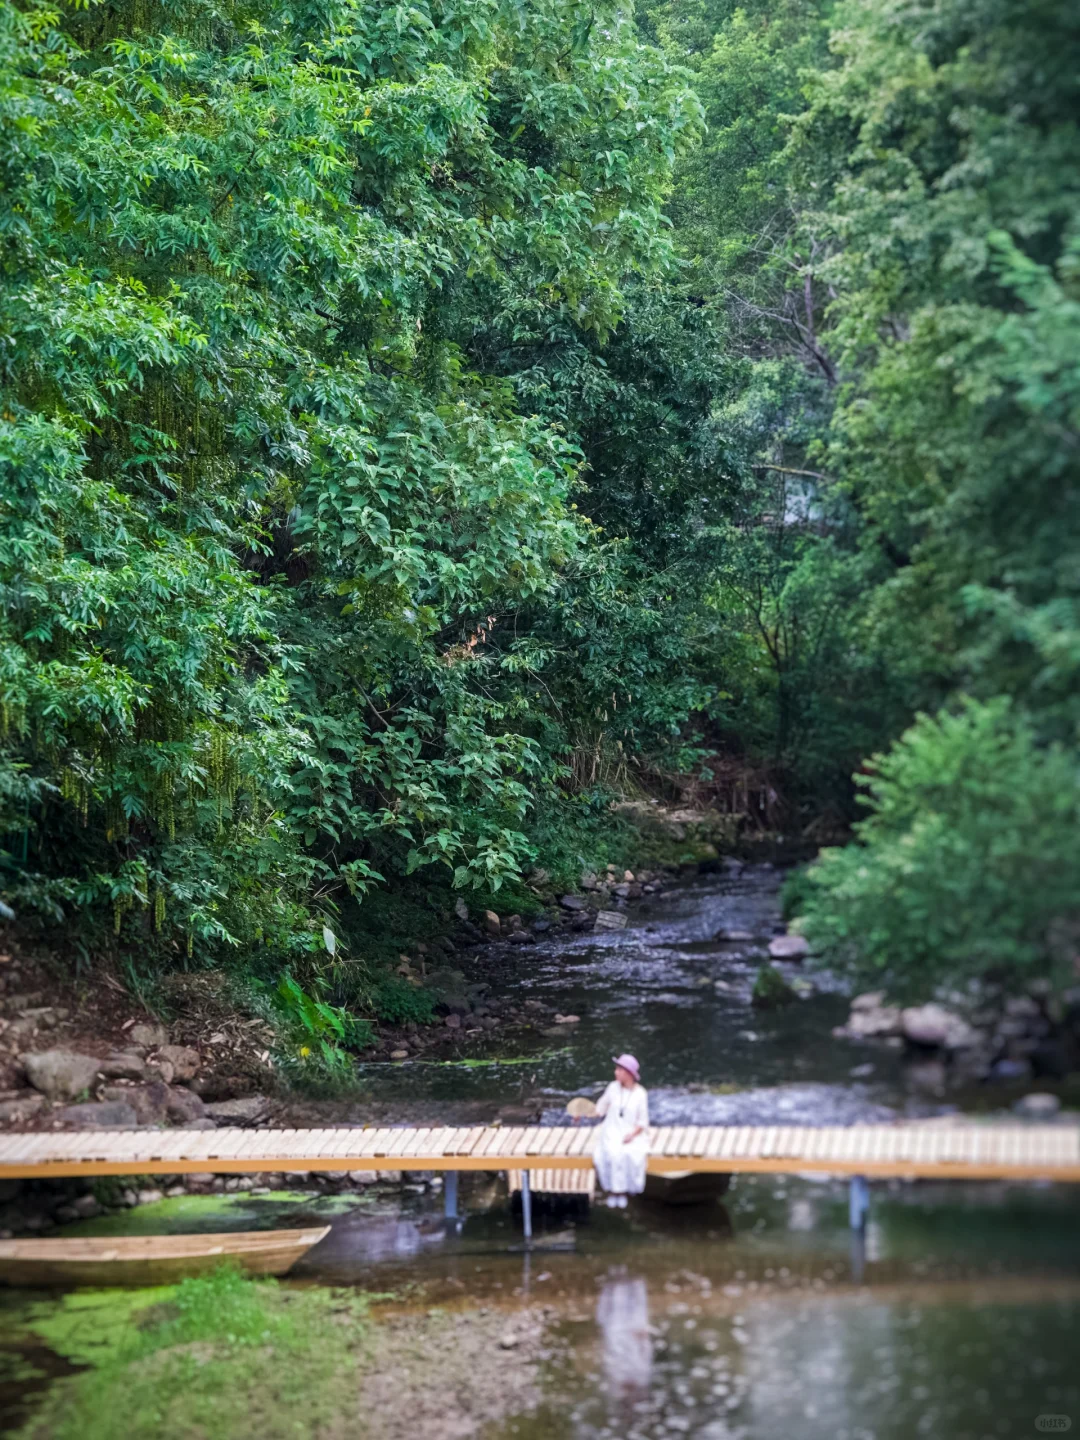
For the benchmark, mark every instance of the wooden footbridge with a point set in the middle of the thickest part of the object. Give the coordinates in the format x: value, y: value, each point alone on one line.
x: 925, y: 1151
x: 862, y: 1152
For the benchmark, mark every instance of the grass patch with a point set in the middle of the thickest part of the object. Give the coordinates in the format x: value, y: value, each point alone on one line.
x: 221, y: 1357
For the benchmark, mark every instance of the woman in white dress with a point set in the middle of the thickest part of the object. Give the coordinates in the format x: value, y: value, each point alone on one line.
x: 622, y: 1148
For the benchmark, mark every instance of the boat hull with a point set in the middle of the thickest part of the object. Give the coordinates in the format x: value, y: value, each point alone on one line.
x: 139, y: 1260
x: 686, y: 1187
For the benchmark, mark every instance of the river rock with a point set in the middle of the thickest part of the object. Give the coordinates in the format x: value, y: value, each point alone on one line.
x: 450, y: 990
x: 866, y: 1023
x: 453, y: 1022
x: 610, y: 920
x: 86, y: 1207
x: 60, y: 1074
x: 244, y: 1109
x: 934, y: 1025
x: 151, y: 1036
x: 125, y: 1066
x: 589, y: 881
x: 22, y: 1108
x: 492, y: 923
x: 182, y: 1106
x: 1038, y: 1106
x: 99, y: 1115
x: 869, y: 1000
x: 150, y: 1101
x: 789, y: 947
x: 571, y: 902
x: 184, y: 1059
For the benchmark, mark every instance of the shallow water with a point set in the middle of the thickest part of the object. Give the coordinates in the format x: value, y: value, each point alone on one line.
x: 761, y: 1316
x: 755, y: 1318
x: 666, y: 989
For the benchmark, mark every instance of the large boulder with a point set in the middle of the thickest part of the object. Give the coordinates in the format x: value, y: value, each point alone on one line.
x: 182, y: 1106
x: 124, y: 1066
x: 245, y: 1109
x: 789, y: 947
x: 149, y: 1102
x: 572, y: 902
x: 60, y: 1074
x: 150, y: 1036
x: 1038, y: 1106
x: 184, y: 1060
x: 99, y: 1115
x: 22, y: 1108
x: 449, y: 989
x: 868, y: 1021
x: 934, y: 1025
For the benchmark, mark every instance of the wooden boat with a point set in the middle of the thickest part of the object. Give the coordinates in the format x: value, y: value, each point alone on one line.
x: 150, y: 1259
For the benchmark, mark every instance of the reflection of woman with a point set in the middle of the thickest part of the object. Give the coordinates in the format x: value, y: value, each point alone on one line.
x: 622, y: 1313
x: 622, y: 1149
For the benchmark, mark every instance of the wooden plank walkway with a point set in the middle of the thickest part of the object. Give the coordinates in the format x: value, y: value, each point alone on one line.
x: 976, y: 1152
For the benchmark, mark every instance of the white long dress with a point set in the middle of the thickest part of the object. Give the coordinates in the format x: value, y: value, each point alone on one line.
x: 621, y: 1167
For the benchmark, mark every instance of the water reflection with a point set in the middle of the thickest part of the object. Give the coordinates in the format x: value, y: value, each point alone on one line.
x: 622, y: 1316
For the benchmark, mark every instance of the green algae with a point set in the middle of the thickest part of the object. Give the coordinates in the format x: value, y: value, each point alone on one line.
x: 92, y: 1327
x: 208, y: 1214
x: 478, y: 1063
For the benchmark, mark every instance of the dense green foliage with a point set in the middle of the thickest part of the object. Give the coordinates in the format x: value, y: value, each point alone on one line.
x: 417, y: 426
x: 967, y: 864
x: 283, y: 569
x: 885, y: 213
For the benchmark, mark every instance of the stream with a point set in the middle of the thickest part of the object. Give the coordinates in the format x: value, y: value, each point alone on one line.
x: 756, y: 1317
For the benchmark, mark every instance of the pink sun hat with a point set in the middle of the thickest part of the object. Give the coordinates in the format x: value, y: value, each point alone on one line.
x: 627, y: 1062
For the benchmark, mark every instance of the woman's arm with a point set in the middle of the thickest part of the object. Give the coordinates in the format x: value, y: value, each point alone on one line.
x: 603, y: 1105
x: 642, y: 1108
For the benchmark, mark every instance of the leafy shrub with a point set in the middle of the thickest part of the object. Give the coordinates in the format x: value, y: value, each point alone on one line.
x: 967, y: 864
x: 315, y: 1034
x: 797, y: 889
x: 397, y: 1002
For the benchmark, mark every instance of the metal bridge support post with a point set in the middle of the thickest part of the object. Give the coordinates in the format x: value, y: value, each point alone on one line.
x: 858, y: 1202
x: 526, y: 1205
x: 450, y: 1186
